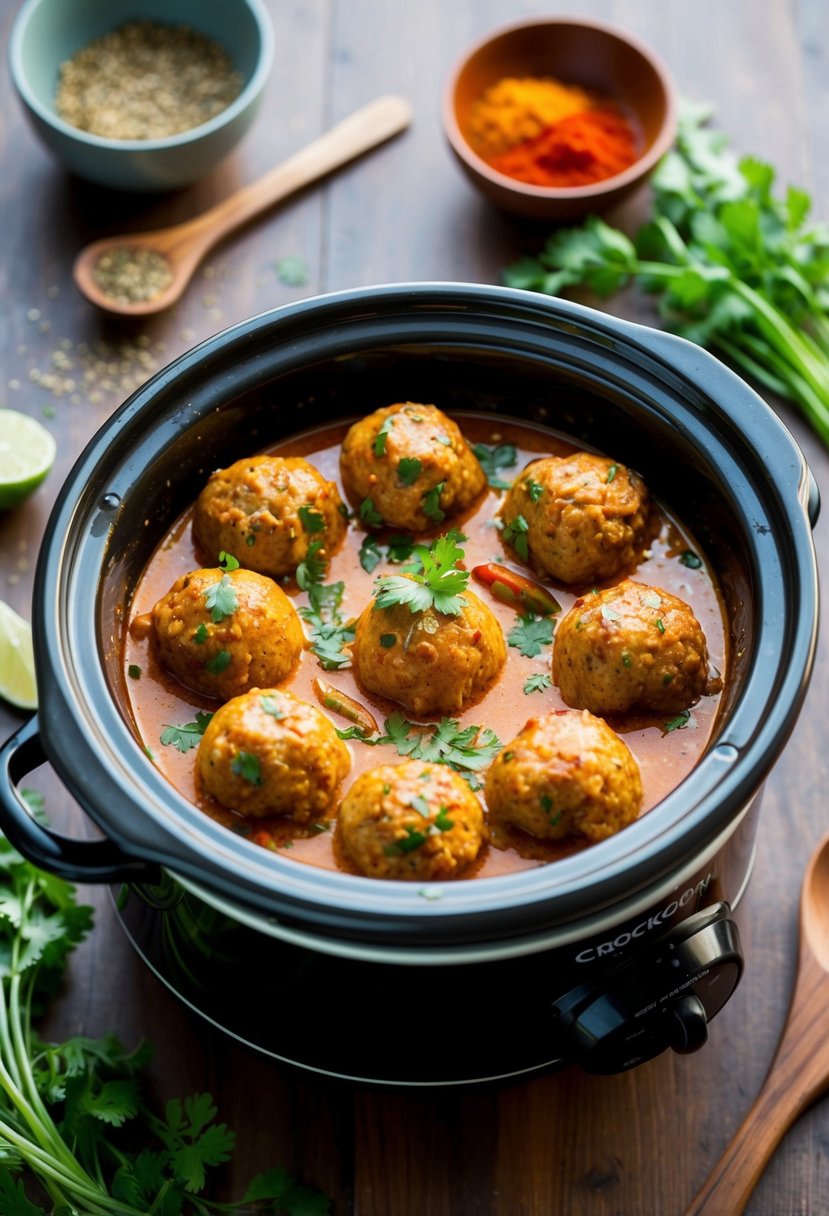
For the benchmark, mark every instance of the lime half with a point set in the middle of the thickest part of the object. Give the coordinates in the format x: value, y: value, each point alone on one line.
x: 17, y: 660
x: 27, y: 453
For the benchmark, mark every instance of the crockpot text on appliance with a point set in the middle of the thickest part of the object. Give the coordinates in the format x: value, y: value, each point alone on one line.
x: 646, y: 926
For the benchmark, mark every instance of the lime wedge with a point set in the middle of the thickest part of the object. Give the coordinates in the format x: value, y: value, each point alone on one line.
x: 17, y: 660
x: 27, y: 453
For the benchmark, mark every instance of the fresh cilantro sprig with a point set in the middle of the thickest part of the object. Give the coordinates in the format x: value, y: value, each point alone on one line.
x: 515, y: 534
x: 530, y: 634
x: 185, y: 738
x: 466, y: 749
x: 437, y: 584
x: 396, y: 549
x: 63, y: 1105
x: 500, y: 456
x: 221, y: 598
x: 329, y: 633
x: 537, y: 683
x: 736, y: 268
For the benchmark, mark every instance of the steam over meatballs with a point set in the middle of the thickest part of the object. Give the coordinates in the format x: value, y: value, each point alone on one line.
x: 223, y: 632
x: 267, y: 511
x: 630, y: 647
x: 268, y: 753
x: 427, y: 661
x: 565, y: 774
x: 411, y: 464
x: 579, y: 518
x: 411, y: 820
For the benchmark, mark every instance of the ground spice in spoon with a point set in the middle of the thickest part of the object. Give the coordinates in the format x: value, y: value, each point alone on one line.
x: 130, y: 275
x: 146, y: 80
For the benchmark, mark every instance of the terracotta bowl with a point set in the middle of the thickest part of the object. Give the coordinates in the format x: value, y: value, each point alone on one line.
x: 599, y: 57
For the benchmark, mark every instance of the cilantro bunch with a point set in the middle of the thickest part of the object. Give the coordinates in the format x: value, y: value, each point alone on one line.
x: 434, y: 581
x: 71, y: 1114
x: 736, y: 268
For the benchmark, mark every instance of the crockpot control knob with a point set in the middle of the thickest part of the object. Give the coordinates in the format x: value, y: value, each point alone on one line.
x: 662, y: 996
x: 689, y: 1025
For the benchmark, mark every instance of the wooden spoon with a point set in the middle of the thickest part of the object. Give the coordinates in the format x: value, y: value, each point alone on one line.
x: 800, y: 1070
x: 184, y: 245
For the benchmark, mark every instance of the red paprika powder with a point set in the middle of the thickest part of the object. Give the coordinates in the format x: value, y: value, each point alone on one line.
x: 578, y: 150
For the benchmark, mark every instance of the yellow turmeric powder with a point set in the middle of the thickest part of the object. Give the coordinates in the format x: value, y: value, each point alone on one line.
x: 515, y: 109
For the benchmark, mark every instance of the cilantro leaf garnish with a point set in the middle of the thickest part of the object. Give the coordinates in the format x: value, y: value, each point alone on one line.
x: 408, y: 470
x: 311, y: 519
x: 370, y: 554
x: 538, y: 683
x: 442, y: 821
x: 501, y: 456
x: 515, y: 534
x: 611, y: 473
x: 470, y: 748
x: 534, y: 488
x: 411, y: 841
x: 247, y: 766
x: 329, y: 634
x: 678, y: 723
x: 221, y: 599
x: 219, y: 663
x: 438, y: 584
x: 400, y: 548
x: 397, y: 549
x: 369, y: 514
x: 185, y: 738
x: 531, y: 634
x: 270, y: 705
x: 292, y: 270
x: 312, y: 568
x: 431, y: 503
x: 380, y: 437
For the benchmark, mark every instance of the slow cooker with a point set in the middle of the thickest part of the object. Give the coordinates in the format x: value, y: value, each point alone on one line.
x: 606, y: 957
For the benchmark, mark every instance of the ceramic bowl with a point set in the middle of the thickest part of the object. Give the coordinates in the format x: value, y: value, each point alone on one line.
x: 48, y: 32
x: 600, y: 58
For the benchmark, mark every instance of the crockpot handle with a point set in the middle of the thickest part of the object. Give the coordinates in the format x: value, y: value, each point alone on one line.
x: 74, y: 860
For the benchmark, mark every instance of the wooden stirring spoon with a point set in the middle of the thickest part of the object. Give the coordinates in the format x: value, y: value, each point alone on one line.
x: 183, y: 246
x: 800, y: 1070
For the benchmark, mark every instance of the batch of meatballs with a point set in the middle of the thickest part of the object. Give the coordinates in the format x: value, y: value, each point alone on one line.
x: 231, y: 633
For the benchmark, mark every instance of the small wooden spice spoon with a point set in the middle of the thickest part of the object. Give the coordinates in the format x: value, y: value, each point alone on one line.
x: 184, y: 245
x: 800, y: 1070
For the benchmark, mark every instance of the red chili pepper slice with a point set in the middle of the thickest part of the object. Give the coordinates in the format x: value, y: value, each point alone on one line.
x: 516, y: 590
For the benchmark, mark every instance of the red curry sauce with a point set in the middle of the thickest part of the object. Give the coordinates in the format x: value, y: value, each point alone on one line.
x: 665, y: 757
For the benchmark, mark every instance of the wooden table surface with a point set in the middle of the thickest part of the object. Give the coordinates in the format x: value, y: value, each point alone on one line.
x: 635, y: 1145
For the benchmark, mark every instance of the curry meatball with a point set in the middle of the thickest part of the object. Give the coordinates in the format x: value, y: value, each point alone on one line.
x: 630, y: 647
x: 427, y: 661
x: 222, y: 632
x: 411, y: 820
x: 578, y: 518
x: 566, y: 774
x: 267, y: 511
x: 268, y: 753
x: 408, y: 466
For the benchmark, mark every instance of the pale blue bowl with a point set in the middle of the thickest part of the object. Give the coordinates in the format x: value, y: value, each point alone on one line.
x: 48, y: 32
